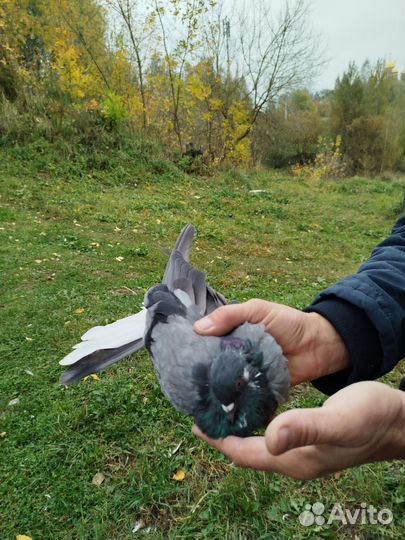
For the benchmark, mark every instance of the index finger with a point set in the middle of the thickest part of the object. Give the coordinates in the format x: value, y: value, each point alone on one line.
x: 243, y: 452
x: 225, y: 318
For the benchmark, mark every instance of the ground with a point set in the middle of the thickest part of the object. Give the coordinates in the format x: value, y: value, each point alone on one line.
x: 80, y: 250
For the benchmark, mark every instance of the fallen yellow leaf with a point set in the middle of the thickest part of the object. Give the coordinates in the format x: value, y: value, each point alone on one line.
x: 179, y: 476
x: 23, y: 537
x: 98, y: 479
x: 91, y: 376
x: 78, y: 311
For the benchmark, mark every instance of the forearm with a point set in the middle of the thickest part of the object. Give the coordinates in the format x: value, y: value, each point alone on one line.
x: 368, y: 311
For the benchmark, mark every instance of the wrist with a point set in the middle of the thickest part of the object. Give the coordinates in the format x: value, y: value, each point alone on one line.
x: 330, y: 352
x: 397, y: 443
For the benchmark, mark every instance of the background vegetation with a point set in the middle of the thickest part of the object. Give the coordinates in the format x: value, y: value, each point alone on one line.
x: 212, y: 85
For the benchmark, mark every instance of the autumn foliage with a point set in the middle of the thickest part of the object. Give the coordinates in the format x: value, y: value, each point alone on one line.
x: 207, y: 85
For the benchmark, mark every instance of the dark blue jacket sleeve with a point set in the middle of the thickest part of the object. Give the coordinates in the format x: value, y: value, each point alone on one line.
x: 368, y: 311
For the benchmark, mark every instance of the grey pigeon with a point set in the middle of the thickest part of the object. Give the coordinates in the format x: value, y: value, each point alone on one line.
x: 231, y: 385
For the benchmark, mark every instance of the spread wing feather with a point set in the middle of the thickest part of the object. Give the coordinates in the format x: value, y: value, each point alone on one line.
x: 102, y: 346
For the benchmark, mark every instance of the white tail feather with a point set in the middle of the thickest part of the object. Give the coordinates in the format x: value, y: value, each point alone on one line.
x: 110, y: 336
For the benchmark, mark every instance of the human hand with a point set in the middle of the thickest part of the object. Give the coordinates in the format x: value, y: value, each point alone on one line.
x: 309, y: 341
x: 362, y: 423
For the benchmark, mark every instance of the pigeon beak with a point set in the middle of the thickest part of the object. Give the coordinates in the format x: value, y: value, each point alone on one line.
x: 230, y: 411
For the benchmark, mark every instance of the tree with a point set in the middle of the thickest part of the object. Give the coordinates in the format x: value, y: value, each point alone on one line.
x: 21, y: 45
x: 187, y: 14
x: 278, y: 53
x: 86, y: 22
x: 348, y: 100
x: 365, y: 143
x: 138, y: 25
x: 367, y: 111
x: 287, y: 133
x: 258, y: 55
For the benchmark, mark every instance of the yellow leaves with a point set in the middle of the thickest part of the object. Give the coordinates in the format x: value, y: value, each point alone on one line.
x: 239, y: 111
x: 134, y: 107
x: 92, y: 105
x: 92, y: 376
x: 239, y: 152
x: 197, y: 89
x: 113, y: 108
x: 23, y: 537
x: 171, y: 63
x: 67, y: 53
x: 121, y: 80
x: 179, y: 476
x: 328, y: 162
x: 215, y: 104
x: 79, y: 311
x: 74, y: 78
x: 98, y: 479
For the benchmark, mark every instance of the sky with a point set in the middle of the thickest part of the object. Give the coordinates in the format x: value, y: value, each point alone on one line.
x: 357, y: 30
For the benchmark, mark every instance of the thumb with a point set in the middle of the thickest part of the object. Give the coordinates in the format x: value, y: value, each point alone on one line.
x: 224, y: 319
x: 304, y: 427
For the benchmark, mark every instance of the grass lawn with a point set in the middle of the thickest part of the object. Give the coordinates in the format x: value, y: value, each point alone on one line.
x: 82, y: 249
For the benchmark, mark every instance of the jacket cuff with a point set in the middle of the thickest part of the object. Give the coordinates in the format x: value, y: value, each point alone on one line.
x: 360, y: 338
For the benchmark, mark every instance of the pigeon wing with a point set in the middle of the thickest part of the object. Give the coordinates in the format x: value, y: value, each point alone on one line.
x: 176, y: 352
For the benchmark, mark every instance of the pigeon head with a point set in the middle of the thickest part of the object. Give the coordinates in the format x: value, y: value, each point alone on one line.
x: 235, y: 398
x: 230, y: 374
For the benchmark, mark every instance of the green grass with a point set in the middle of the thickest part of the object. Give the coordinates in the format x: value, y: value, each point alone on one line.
x: 61, y: 232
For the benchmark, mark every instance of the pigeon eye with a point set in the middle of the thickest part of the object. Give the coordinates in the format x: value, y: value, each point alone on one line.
x: 239, y: 383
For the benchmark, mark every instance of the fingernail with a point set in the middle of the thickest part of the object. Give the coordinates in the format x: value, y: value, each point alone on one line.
x: 285, y: 439
x: 203, y: 325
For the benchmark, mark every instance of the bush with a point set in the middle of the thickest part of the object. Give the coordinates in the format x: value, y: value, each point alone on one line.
x: 364, y: 144
x: 328, y: 162
x: 114, y: 110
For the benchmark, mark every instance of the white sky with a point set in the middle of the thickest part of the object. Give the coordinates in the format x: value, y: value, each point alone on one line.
x: 357, y: 30
x: 350, y: 30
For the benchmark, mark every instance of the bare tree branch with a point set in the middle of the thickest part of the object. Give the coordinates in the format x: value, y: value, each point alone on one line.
x: 78, y: 31
x: 127, y: 11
